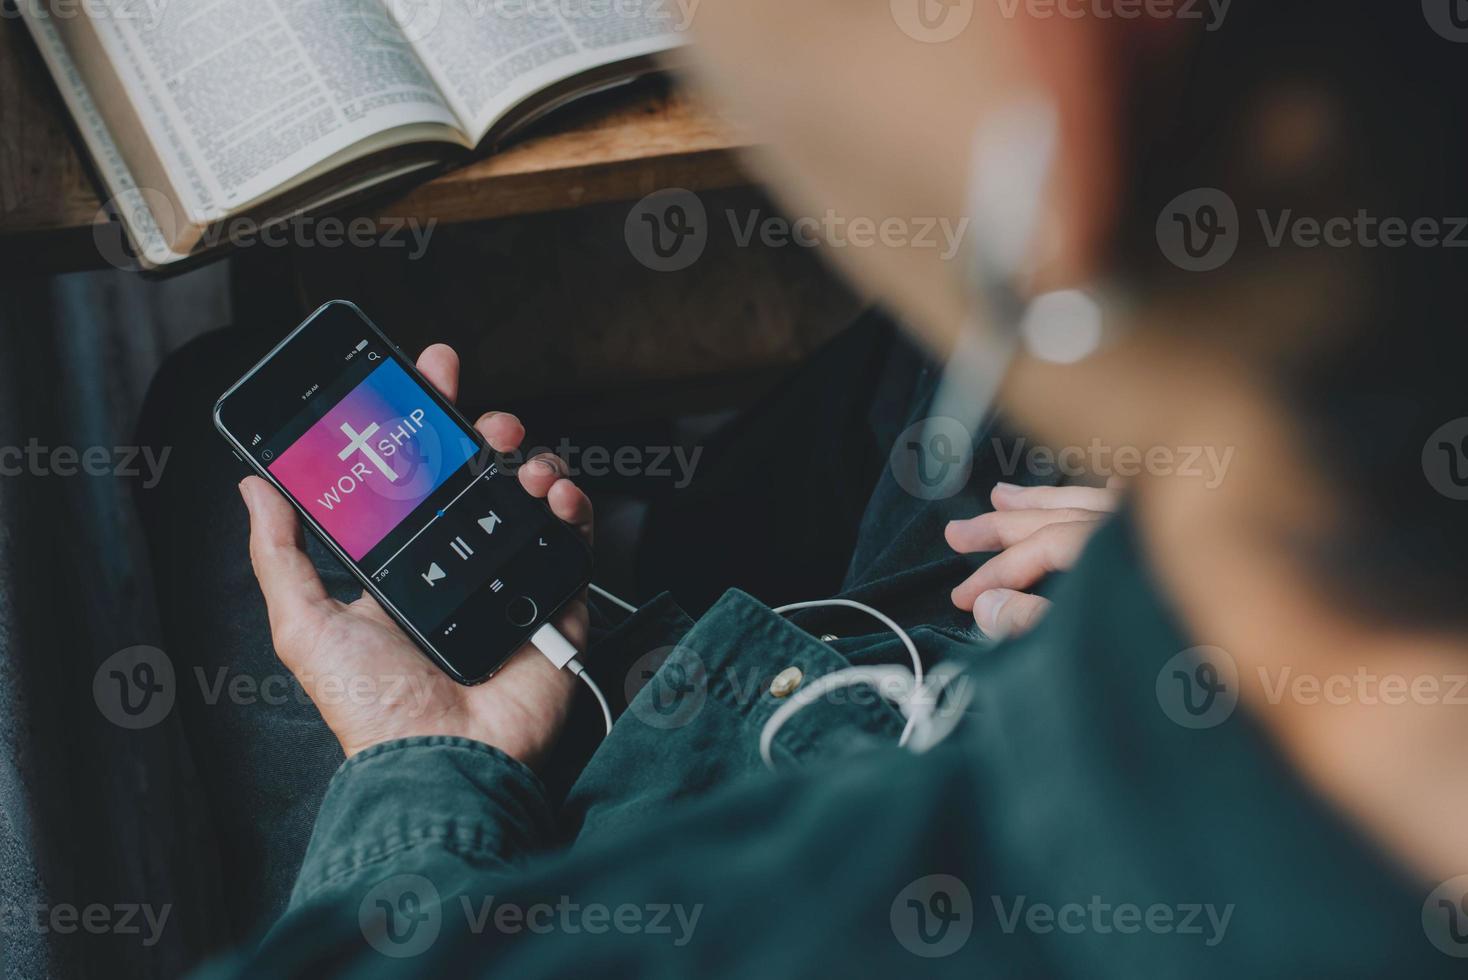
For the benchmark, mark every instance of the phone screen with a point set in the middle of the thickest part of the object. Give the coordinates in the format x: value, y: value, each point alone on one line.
x: 405, y: 491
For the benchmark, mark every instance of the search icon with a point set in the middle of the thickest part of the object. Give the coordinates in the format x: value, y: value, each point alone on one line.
x: 374, y: 356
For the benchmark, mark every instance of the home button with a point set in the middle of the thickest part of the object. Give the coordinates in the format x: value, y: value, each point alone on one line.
x: 521, y: 611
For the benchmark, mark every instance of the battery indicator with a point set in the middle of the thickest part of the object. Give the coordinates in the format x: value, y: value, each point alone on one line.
x: 361, y: 347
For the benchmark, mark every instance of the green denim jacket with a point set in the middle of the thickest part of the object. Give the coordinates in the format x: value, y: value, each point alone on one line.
x: 1102, y: 811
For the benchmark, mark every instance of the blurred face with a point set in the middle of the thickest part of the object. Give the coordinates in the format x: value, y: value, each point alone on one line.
x: 862, y: 110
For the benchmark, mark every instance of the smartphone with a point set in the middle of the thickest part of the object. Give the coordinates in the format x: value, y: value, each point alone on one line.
x: 406, y: 493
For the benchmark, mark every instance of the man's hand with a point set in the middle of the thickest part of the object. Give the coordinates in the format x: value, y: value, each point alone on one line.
x: 1036, y: 530
x: 370, y: 682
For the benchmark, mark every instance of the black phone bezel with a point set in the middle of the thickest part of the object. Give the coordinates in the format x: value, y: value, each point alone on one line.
x: 576, y: 584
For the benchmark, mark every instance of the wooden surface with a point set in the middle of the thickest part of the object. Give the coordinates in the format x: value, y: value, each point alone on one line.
x: 615, y: 147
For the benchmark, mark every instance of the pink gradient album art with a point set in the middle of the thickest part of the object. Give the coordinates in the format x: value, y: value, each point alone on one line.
x: 374, y: 457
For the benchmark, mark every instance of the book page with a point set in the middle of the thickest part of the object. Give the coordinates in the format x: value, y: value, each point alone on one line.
x: 489, y: 55
x: 242, y: 96
x: 130, y: 201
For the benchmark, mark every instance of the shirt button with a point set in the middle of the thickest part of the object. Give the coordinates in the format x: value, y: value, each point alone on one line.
x: 786, y: 682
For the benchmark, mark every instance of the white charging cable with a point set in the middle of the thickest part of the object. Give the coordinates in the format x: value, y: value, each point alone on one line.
x: 915, y: 695
x: 560, y: 651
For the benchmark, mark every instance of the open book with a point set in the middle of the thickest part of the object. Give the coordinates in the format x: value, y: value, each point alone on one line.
x: 198, y: 113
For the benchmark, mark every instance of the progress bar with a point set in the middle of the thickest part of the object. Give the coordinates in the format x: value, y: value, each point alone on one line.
x: 441, y: 511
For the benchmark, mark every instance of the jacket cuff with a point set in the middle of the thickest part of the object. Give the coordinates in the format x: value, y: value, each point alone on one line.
x: 417, y: 803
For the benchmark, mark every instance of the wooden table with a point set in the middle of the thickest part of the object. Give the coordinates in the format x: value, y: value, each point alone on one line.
x: 530, y: 277
x: 616, y: 147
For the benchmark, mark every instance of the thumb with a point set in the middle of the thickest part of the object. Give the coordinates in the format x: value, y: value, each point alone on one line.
x: 1002, y: 613
x: 292, y: 588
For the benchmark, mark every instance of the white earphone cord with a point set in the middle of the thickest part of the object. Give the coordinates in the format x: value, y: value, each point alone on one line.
x: 915, y: 695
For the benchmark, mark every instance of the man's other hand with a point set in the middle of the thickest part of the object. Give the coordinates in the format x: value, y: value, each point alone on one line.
x: 1036, y: 531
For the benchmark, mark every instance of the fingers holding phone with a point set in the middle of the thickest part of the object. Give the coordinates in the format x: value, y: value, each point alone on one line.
x: 459, y: 560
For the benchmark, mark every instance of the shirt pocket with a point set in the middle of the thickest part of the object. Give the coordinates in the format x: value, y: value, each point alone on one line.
x: 697, y: 705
